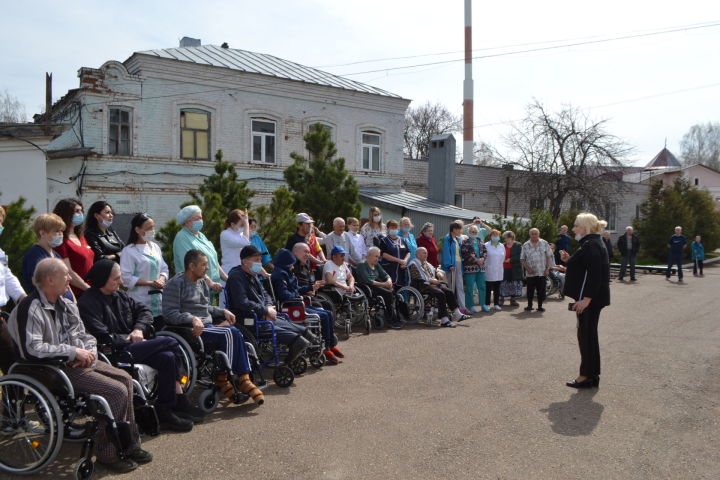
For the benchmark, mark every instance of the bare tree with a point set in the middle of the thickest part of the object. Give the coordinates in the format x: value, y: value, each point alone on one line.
x: 485, y: 155
x: 701, y: 144
x: 572, y: 157
x: 424, y: 122
x: 11, y: 109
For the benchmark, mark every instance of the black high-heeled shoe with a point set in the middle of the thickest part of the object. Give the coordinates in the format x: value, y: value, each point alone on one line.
x: 587, y: 383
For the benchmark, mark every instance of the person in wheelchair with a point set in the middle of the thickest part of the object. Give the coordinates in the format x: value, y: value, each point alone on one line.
x: 46, y: 326
x: 114, y: 318
x: 287, y: 288
x: 429, y: 281
x: 372, y: 274
x: 186, y: 303
x: 247, y: 297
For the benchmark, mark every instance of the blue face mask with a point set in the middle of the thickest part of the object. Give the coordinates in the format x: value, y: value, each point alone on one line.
x: 78, y: 219
x: 495, y: 239
x: 473, y: 236
x: 56, y: 241
x: 405, y: 229
x: 256, y: 267
x: 392, y: 232
x: 1, y: 229
x: 197, y: 225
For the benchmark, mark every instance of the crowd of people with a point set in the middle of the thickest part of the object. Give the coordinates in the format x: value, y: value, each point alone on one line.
x: 81, y: 286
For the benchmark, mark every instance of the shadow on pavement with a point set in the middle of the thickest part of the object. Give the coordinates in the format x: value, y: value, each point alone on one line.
x: 577, y: 416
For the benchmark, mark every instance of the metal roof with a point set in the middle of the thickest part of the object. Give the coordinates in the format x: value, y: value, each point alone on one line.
x: 413, y: 202
x: 262, y: 64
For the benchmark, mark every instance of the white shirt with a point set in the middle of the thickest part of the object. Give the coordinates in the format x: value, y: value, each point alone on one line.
x: 9, y: 284
x: 231, y: 242
x: 340, y: 274
x: 358, y: 248
x: 136, y: 263
x: 494, y: 262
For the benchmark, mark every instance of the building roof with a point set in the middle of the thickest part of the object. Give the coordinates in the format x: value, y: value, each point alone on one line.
x: 663, y: 159
x: 413, y: 202
x: 262, y: 64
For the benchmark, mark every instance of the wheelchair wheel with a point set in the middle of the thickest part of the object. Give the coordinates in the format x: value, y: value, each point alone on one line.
x: 208, y: 400
x: 188, y: 368
x: 84, y: 470
x: 551, y: 286
x: 413, y: 299
x: 31, y: 428
x: 299, y: 366
x: 317, y: 359
x: 326, y: 299
x: 283, y: 376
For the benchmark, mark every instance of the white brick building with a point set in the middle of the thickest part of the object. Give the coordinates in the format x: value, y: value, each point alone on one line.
x: 145, y: 131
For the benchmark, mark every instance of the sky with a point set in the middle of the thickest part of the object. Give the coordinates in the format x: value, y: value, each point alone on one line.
x: 651, y: 88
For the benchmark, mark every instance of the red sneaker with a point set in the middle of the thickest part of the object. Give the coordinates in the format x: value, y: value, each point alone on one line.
x: 337, y: 352
x: 331, y: 358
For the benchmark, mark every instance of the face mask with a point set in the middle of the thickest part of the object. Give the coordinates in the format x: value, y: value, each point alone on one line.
x: 197, y: 225
x: 578, y: 237
x: 56, y: 240
x: 78, y: 219
x: 106, y: 223
x: 256, y: 267
x: 237, y: 229
x: 473, y: 236
x: 405, y: 229
x: 149, y: 236
x: 495, y: 239
x: 1, y: 229
x: 253, y: 232
x: 392, y: 232
x: 377, y: 218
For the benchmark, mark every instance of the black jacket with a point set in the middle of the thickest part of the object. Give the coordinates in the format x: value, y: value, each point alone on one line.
x: 103, y: 244
x: 589, y: 265
x: 246, y: 295
x: 608, y: 247
x: 622, y: 244
x: 110, y: 318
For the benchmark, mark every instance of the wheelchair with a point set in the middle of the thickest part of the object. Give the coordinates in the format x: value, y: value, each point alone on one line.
x: 202, y: 363
x: 347, y: 310
x: 39, y: 409
x: 376, y: 308
x: 295, y: 311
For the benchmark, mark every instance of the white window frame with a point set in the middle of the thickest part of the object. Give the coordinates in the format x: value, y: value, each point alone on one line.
x: 611, y: 213
x: 263, y: 144
x: 122, y: 108
x: 371, y: 147
x: 461, y: 197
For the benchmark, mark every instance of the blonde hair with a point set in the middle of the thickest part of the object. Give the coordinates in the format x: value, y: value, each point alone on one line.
x: 590, y: 223
x: 351, y: 220
x: 2, y: 213
x: 473, y: 229
x: 48, y: 222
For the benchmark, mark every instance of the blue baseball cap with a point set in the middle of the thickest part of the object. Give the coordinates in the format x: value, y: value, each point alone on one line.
x: 338, y: 249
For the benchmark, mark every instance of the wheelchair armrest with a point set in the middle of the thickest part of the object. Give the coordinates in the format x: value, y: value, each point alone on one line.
x: 292, y: 301
x: 150, y: 331
x: 55, y: 362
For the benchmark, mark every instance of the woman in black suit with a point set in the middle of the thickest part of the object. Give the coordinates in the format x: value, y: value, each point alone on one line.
x: 588, y: 281
x: 99, y: 233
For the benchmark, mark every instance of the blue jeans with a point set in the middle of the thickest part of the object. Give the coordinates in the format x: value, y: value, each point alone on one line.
x: 326, y: 325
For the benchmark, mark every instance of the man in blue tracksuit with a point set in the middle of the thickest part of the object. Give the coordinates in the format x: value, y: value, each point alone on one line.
x: 676, y: 244
x: 286, y: 287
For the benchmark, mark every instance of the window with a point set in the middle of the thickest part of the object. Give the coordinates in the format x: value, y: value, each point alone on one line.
x: 697, y: 181
x: 459, y: 200
x: 611, y: 216
x: 263, y: 140
x: 537, y: 204
x: 637, y: 211
x: 577, y: 205
x: 195, y: 134
x: 371, y: 151
x: 119, y: 131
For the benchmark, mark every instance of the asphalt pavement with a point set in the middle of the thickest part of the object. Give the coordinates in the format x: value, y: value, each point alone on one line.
x: 486, y: 400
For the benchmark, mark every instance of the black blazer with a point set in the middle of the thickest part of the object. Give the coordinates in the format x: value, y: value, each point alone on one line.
x: 110, y: 318
x: 104, y: 244
x: 591, y: 259
x: 622, y: 244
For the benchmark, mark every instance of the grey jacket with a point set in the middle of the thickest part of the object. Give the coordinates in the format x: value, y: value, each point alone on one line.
x: 182, y: 300
x: 42, y: 330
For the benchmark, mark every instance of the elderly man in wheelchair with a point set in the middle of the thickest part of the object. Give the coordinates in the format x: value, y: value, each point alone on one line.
x: 122, y: 326
x: 287, y: 289
x: 431, y: 283
x: 46, y: 328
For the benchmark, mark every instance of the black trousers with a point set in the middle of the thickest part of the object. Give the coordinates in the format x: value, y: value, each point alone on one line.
x: 494, y: 289
x: 587, y: 333
x: 626, y: 260
x: 674, y: 260
x: 446, y: 300
x: 7, y: 347
x: 533, y: 284
x: 389, y: 298
x: 698, y: 265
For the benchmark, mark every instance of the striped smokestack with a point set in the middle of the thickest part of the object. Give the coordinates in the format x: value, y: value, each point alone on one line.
x: 468, y: 88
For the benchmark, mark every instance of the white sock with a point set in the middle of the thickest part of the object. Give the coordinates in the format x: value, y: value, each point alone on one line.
x: 444, y: 320
x: 457, y: 313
